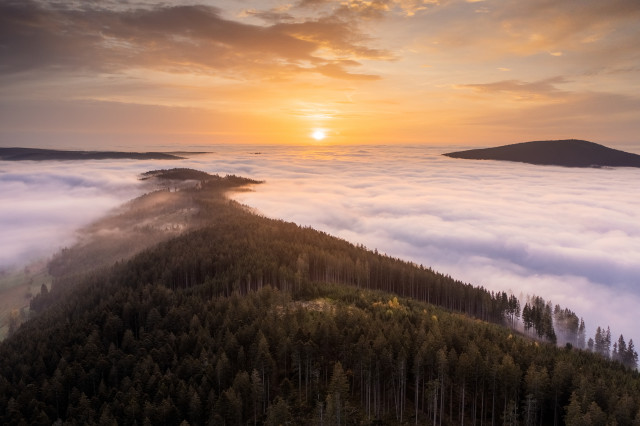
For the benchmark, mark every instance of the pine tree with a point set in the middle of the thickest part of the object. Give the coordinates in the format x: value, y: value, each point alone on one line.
x: 599, y: 341
x: 278, y: 413
x: 631, y: 356
x: 526, y: 317
x: 607, y: 342
x: 337, y: 396
x: 574, y: 412
x: 581, y: 335
x: 619, y: 350
x: 622, y: 346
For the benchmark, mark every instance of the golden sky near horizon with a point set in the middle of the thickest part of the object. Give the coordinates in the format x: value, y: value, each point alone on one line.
x: 110, y: 73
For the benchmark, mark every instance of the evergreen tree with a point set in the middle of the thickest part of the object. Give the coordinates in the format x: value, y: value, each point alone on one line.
x: 337, y: 398
x: 581, y: 335
x: 278, y: 413
x: 630, y: 356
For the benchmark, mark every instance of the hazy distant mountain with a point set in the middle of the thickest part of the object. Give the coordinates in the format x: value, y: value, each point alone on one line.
x: 35, y: 154
x: 567, y: 153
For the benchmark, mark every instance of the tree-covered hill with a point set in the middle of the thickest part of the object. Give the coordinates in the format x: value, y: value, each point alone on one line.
x: 249, y: 320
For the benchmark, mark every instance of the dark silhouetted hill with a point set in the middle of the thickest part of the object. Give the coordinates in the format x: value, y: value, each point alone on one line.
x: 35, y: 154
x: 567, y: 153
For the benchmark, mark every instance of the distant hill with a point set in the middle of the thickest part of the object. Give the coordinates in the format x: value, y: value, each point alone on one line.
x: 35, y: 154
x: 178, y: 174
x: 567, y: 153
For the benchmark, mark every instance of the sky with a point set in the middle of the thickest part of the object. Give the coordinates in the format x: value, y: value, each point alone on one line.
x: 137, y: 73
x: 569, y: 235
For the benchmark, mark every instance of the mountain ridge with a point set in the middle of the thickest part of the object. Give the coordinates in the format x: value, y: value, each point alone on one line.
x: 257, y: 320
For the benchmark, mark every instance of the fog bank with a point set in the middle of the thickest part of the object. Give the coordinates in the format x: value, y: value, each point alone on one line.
x: 568, y: 235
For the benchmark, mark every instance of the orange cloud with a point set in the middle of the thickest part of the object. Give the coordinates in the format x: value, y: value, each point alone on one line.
x: 176, y: 39
x: 544, y: 88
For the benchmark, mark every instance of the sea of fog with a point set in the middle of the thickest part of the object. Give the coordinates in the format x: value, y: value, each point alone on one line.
x: 569, y: 235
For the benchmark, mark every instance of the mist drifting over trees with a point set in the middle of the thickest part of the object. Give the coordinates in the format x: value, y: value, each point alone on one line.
x: 471, y: 221
x: 255, y: 320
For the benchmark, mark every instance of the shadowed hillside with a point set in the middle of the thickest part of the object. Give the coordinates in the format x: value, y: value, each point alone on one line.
x: 567, y: 153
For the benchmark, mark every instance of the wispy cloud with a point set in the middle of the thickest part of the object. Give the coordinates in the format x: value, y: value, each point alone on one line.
x: 544, y: 88
x: 537, y: 26
x: 371, y: 9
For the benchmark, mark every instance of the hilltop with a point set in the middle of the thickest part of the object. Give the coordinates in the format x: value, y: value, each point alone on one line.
x: 177, y: 174
x: 567, y: 153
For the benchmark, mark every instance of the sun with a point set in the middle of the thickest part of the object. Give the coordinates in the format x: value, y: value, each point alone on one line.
x: 319, y: 134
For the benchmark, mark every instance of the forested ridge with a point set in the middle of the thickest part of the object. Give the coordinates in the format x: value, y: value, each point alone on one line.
x: 251, y: 320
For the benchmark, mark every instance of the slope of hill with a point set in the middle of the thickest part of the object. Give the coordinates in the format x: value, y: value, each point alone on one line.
x: 34, y: 154
x: 253, y: 320
x: 144, y: 221
x: 161, y: 214
x: 567, y: 153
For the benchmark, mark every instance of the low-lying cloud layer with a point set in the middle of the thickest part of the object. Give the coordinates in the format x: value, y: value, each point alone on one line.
x: 43, y: 203
x: 571, y: 236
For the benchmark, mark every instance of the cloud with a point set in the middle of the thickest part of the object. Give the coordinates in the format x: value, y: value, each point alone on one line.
x: 588, y: 32
x: 558, y: 114
x: 270, y: 16
x: 569, y: 235
x: 335, y: 35
x: 369, y: 9
x: 183, y: 38
x: 546, y: 87
x: 44, y: 203
x: 337, y: 70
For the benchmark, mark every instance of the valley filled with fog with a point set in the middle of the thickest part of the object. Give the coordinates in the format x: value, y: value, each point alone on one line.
x: 569, y: 235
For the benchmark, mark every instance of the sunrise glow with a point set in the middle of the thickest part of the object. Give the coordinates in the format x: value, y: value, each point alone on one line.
x: 319, y: 134
x: 379, y: 72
